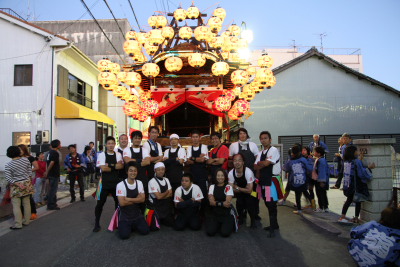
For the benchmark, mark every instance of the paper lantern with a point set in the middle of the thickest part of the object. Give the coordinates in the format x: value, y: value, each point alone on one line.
x: 265, y: 61
x: 222, y: 104
x: 231, y: 44
x: 139, y: 57
x: 220, y: 13
x: 103, y: 65
x: 121, y: 76
x: 150, y: 107
x: 131, y: 47
x: 131, y: 35
x: 155, y: 37
x: 141, y: 37
x: 239, y: 77
x: 150, y: 70
x: 197, y: 60
x: 215, y: 23
x: 131, y: 109
x: 107, y: 79
x: 226, y: 33
x: 144, y: 96
x: 111, y: 87
x: 193, y: 12
x: 161, y: 21
x: 248, y: 92
x: 252, y: 70
x: 220, y: 68
x: 263, y: 75
x: 173, y: 64
x: 115, y: 67
x: 150, y: 48
x: 180, y: 14
x: 168, y: 32
x: 271, y: 82
x: 217, y: 42
x: 142, y: 116
x: 202, y: 33
x: 133, y: 78
x: 234, y: 30
x: 185, y: 33
x: 233, y: 114
x: 242, y: 107
x: 225, y: 55
x: 255, y: 86
x: 229, y: 94
x: 120, y: 91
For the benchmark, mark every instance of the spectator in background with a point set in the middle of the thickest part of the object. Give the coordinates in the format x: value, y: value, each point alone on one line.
x: 93, y: 150
x: 53, y: 174
x: 318, y: 143
x: 98, y: 171
x: 338, y: 158
x: 321, y: 170
x: 40, y: 181
x: 90, y: 164
x: 74, y: 163
x: 18, y: 172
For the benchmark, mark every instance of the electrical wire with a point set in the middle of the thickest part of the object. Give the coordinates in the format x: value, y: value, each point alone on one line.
x: 134, y: 14
x: 115, y: 19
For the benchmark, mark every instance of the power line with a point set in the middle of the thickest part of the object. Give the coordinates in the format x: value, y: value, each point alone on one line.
x: 133, y: 11
x: 95, y: 20
x: 109, y: 8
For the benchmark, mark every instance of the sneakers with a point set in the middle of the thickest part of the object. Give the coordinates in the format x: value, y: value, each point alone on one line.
x: 299, y: 212
x: 72, y: 200
x: 344, y: 221
x: 33, y: 216
x: 281, y: 202
x: 334, y: 187
x: 326, y: 210
x: 96, y: 228
x: 318, y: 210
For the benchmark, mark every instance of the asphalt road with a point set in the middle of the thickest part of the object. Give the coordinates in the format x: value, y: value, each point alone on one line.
x: 65, y: 238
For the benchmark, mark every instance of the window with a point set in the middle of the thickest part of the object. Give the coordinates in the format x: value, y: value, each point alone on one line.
x: 79, y: 91
x: 21, y: 138
x: 23, y: 75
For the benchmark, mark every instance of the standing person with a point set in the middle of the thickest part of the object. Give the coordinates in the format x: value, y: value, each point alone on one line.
x: 93, y: 150
x: 40, y: 182
x: 187, y: 200
x: 298, y: 167
x: 197, y: 155
x: 90, y: 164
x: 218, y: 156
x: 241, y: 180
x: 244, y: 146
x: 74, y: 164
x: 109, y: 162
x: 18, y: 172
x: 306, y: 153
x: 123, y: 144
x: 98, y: 172
x: 321, y: 171
x: 317, y: 143
x: 345, y: 141
x: 339, y: 160
x: 156, y: 154
x: 130, y: 193
x: 220, y: 197
x: 267, y: 163
x: 160, y: 195
x: 53, y: 174
x: 35, y: 167
x: 355, y: 181
x: 174, y: 159
x: 140, y: 155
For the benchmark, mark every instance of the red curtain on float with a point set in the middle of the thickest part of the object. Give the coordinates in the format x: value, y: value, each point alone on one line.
x: 204, y: 100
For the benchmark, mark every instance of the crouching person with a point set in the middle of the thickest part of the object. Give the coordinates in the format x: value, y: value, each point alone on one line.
x: 187, y: 201
x: 130, y: 193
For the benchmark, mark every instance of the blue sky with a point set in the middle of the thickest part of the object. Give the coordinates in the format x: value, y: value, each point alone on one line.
x: 372, y: 26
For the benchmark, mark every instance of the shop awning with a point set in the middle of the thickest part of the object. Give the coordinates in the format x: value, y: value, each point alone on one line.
x: 66, y: 109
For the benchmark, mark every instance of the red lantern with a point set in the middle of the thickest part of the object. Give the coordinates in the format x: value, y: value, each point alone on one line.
x: 144, y: 96
x: 131, y: 109
x: 229, y: 94
x: 233, y: 114
x: 150, y: 107
x: 222, y: 103
x: 242, y: 106
x: 142, y: 116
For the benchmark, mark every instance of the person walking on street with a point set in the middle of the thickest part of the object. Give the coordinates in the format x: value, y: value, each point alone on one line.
x: 53, y: 174
x: 74, y: 163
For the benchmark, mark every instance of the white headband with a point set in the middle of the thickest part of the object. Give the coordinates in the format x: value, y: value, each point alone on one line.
x: 174, y: 136
x: 159, y: 165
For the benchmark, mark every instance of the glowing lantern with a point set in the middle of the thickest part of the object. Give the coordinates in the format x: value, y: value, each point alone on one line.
x: 121, y: 76
x: 222, y: 104
x: 131, y: 47
x: 252, y: 70
x: 173, y: 64
x: 248, y: 92
x: 217, y: 42
x: 263, y: 75
x: 180, y: 14
x: 202, y: 33
x: 131, y: 35
x: 150, y: 70
x: 233, y: 43
x: 120, y: 91
x: 152, y: 21
x: 115, y: 68
x: 111, y: 87
x: 156, y: 37
x: 168, y: 32
x: 233, y: 114
x: 107, y: 79
x: 220, y: 68
x: 226, y: 46
x: 145, y: 95
x: 150, y: 107
x: 215, y: 23
x: 226, y: 33
x: 103, y: 65
x: 131, y: 109
x: 225, y: 55
x: 185, y: 32
x: 196, y: 60
x: 142, y: 116
x: 265, y: 61
x: 234, y: 30
x: 229, y: 94
x: 150, y: 49
x: 271, y: 82
x: 139, y: 57
x: 220, y: 13
x: 133, y: 78
x: 239, y: 77
x: 141, y: 37
x: 254, y: 85
x: 193, y: 12
x: 242, y: 106
x: 161, y: 21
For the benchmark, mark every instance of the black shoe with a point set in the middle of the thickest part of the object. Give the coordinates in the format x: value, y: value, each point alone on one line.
x: 72, y: 200
x: 269, y: 227
x: 271, y: 233
x: 258, y: 218
x: 96, y: 229
x: 253, y: 225
x: 82, y: 199
x: 55, y: 208
x: 15, y: 228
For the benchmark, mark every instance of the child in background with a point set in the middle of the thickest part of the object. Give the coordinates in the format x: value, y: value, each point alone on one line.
x: 321, y: 174
x: 40, y: 181
x: 377, y: 243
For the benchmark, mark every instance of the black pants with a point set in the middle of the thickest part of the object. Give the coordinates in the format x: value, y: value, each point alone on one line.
x: 272, y: 211
x: 76, y: 176
x: 181, y: 221
x: 125, y: 228
x: 33, y: 205
x: 322, y: 196
x: 245, y: 202
x: 339, y: 180
x: 223, y: 223
x: 52, y: 193
x: 103, y: 198
x: 347, y: 204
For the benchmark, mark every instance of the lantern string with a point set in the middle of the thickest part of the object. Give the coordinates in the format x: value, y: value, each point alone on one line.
x: 115, y: 19
x: 134, y: 14
x: 210, y: 6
